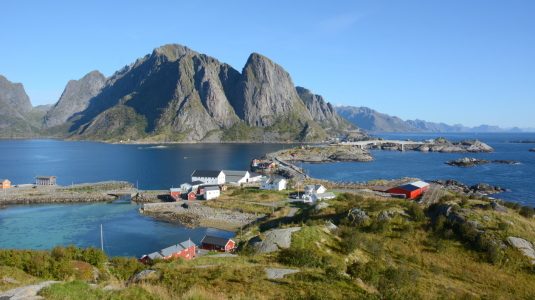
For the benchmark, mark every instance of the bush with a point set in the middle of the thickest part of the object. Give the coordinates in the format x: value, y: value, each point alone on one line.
x: 464, y: 202
x: 416, y: 212
x: 125, y: 268
x: 512, y: 205
x: 503, y: 226
x: 381, y: 227
x: 527, y: 211
x: 300, y: 257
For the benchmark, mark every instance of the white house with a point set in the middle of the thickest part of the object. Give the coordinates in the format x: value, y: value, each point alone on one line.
x: 208, y: 176
x: 211, y: 192
x: 189, y: 186
x: 236, y: 177
x: 276, y: 184
x: 315, y: 197
x: 315, y: 188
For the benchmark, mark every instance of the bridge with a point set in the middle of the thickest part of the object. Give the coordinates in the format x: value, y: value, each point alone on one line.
x: 361, y: 144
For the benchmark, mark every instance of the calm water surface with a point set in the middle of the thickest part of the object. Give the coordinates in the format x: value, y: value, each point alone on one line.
x: 519, y: 179
x: 127, y: 233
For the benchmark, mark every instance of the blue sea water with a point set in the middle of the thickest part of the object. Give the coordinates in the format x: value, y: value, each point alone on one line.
x: 127, y: 233
x: 518, y: 179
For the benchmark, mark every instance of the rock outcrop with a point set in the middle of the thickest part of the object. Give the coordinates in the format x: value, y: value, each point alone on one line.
x: 274, y: 240
x: 480, y: 188
x: 471, y: 162
x: 525, y: 246
x: 75, y: 98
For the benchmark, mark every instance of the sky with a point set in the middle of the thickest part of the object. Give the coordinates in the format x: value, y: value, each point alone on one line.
x: 455, y: 62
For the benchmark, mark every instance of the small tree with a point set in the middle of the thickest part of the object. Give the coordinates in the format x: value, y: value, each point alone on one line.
x: 416, y: 212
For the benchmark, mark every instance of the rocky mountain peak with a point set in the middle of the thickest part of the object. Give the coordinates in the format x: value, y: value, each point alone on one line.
x: 173, y: 51
x: 75, y: 98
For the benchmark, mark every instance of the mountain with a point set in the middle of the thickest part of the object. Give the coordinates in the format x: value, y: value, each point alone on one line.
x: 323, y: 112
x: 17, y: 115
x: 373, y: 121
x: 177, y: 94
x: 435, y: 127
x: 75, y: 98
x: 44, y: 107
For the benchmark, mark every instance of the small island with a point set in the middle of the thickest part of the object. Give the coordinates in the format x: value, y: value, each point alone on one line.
x: 532, y: 150
x: 437, y: 145
x: 471, y: 162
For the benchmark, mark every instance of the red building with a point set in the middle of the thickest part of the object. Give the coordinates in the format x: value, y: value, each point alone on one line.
x: 213, y: 243
x: 192, y: 196
x: 185, y: 250
x: 410, y: 190
x: 175, y: 194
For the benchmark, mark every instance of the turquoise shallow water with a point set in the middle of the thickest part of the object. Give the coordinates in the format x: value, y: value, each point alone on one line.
x: 125, y: 231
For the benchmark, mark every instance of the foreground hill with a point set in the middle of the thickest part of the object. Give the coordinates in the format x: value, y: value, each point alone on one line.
x: 349, y: 247
x: 177, y: 94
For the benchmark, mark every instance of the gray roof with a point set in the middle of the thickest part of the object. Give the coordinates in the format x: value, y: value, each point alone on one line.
x: 205, y: 173
x: 171, y: 249
x: 211, y: 188
x: 233, y: 178
x: 235, y: 173
x: 175, y: 190
x: 253, y: 174
x: 212, y: 240
x: 45, y: 177
x: 193, y: 183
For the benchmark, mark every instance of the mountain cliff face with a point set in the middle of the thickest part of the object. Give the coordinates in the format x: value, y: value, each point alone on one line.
x: 75, y: 98
x: 17, y: 115
x: 176, y: 94
x: 323, y: 112
x: 373, y: 121
x: 435, y: 127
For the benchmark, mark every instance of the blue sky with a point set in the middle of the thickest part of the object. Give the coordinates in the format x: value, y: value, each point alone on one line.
x: 469, y: 62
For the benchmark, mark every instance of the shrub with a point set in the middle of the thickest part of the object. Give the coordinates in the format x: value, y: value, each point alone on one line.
x: 527, y: 211
x: 381, y: 227
x: 512, y: 205
x: 124, y: 267
x: 300, y: 257
x: 503, y: 226
x: 416, y: 212
x: 464, y: 202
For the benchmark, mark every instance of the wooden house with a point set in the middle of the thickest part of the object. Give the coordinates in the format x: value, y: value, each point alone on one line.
x: 185, y: 250
x: 175, y: 194
x: 211, y: 192
x: 191, y: 196
x: 275, y: 184
x: 208, y: 176
x: 213, y: 243
x: 5, y: 184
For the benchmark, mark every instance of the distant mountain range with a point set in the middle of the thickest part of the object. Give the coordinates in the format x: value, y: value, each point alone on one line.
x: 177, y: 94
x: 373, y: 121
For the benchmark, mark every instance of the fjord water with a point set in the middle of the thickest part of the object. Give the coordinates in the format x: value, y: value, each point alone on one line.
x: 42, y: 226
x: 126, y: 232
x: 519, y: 179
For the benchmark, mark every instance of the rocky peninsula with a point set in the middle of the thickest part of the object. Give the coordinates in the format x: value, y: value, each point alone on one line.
x: 459, y: 187
x: 445, y: 146
x: 194, y: 215
x: 323, y: 154
x: 471, y: 162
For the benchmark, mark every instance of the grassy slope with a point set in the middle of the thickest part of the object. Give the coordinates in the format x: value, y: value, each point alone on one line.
x: 397, y: 259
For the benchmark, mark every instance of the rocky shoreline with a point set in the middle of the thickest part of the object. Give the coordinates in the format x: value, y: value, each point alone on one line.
x: 480, y: 188
x: 56, y: 198
x: 471, y: 162
x: 197, y: 215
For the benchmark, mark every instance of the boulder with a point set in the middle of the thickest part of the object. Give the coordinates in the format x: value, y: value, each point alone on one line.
x: 474, y: 224
x: 143, y: 275
x: 498, y: 207
x: 358, y: 215
x: 465, y: 211
x: 525, y: 246
x: 330, y: 225
x: 274, y: 240
x: 279, y: 273
x: 467, y: 162
x: 487, y: 218
x: 456, y: 218
x: 321, y: 205
x: 445, y: 210
x: 26, y: 292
